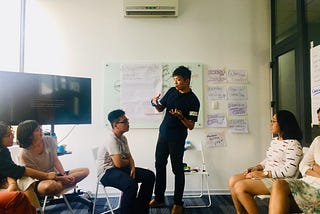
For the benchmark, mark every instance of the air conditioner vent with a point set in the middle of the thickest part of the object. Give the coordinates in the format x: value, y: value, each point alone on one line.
x: 150, y: 13
x: 151, y: 8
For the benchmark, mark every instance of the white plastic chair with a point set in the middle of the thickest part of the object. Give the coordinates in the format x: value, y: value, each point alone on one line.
x: 202, y: 174
x: 111, y: 209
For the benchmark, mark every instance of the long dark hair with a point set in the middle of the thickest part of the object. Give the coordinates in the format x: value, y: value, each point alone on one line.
x: 289, y: 126
x: 3, y: 132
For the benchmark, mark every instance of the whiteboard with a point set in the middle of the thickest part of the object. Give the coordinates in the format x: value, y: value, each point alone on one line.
x: 112, y: 89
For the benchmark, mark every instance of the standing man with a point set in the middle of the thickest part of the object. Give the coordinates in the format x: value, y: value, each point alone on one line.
x: 116, y: 168
x: 182, y: 108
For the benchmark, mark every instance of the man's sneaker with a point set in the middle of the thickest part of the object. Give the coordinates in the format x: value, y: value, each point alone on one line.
x: 154, y: 204
x: 177, y: 209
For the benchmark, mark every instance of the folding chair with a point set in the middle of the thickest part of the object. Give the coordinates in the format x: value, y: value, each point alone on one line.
x: 66, y: 196
x: 111, y: 209
x: 63, y: 194
x: 203, y: 175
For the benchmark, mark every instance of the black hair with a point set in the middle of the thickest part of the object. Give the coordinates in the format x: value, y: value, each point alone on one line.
x: 114, y: 116
x: 25, y: 131
x: 289, y: 126
x: 3, y: 131
x: 318, y: 110
x: 182, y: 71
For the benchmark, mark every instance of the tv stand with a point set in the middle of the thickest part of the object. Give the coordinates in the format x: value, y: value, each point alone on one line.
x: 52, y: 129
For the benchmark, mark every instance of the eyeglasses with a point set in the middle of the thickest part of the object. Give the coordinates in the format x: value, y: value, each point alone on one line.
x: 11, y: 134
x: 273, y: 121
x: 124, y: 121
x: 38, y: 128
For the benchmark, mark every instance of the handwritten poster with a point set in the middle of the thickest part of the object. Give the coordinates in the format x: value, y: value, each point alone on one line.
x: 315, y: 81
x: 237, y: 76
x: 237, y: 108
x: 217, y: 93
x: 215, y: 139
x: 217, y: 76
x: 136, y: 92
x: 238, y: 125
x: 227, y: 96
x: 236, y: 92
x: 217, y: 120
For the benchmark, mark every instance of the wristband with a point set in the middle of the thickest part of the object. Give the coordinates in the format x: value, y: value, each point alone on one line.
x: 154, y: 105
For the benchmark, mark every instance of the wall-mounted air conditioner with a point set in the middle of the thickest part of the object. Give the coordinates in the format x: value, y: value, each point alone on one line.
x: 150, y: 8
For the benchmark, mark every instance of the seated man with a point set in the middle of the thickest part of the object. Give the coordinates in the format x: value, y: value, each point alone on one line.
x: 116, y: 168
x: 40, y: 153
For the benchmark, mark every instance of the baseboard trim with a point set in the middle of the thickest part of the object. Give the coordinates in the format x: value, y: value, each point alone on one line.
x: 170, y: 193
x: 212, y: 192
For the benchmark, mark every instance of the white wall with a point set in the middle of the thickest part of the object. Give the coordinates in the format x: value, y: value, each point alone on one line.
x: 78, y: 37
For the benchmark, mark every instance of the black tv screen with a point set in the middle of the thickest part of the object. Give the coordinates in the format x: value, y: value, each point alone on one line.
x: 48, y: 99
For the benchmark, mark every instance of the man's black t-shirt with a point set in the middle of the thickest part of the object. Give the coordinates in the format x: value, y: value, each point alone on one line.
x: 171, y: 127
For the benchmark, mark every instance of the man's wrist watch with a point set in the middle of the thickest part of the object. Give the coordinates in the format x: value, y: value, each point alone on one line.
x: 266, y: 173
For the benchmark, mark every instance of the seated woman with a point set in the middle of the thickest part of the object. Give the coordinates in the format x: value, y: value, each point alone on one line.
x: 13, y: 172
x: 282, y: 160
x: 302, y: 194
x: 40, y: 153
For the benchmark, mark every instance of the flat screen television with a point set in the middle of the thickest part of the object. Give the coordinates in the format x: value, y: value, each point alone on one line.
x: 48, y: 99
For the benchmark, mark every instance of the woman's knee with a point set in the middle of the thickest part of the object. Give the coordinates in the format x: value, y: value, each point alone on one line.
x: 279, y: 182
x: 280, y: 186
x: 234, y: 179
x: 238, y: 188
x: 247, y: 186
